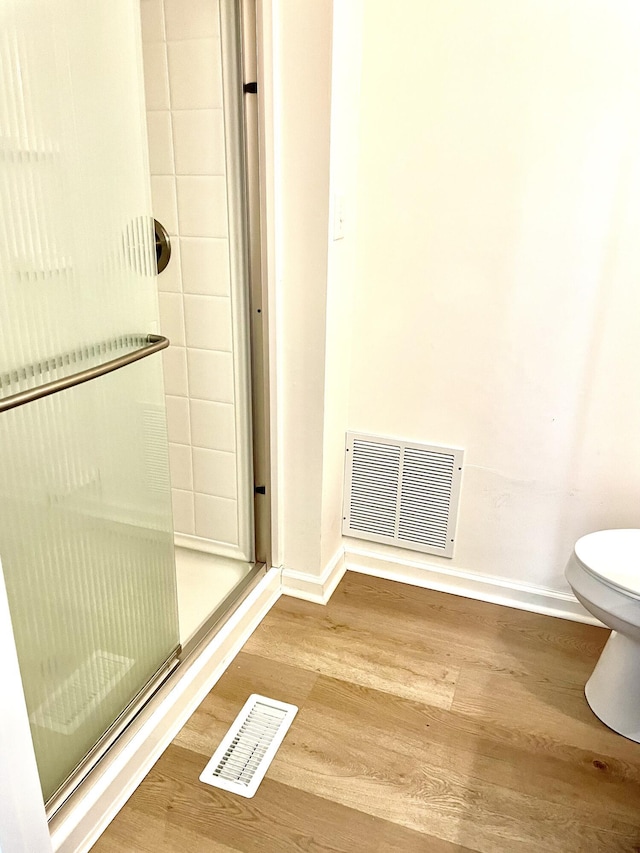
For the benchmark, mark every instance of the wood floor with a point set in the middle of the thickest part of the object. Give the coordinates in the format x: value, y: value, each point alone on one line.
x: 427, y: 722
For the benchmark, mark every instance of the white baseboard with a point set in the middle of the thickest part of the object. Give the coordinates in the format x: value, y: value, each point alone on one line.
x: 108, y: 788
x: 482, y: 587
x: 314, y: 588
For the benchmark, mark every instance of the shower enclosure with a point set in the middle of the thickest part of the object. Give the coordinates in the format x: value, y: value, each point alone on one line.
x: 86, y: 534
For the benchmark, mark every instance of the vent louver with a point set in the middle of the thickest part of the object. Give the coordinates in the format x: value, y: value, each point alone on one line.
x: 402, y: 493
x: 242, y: 759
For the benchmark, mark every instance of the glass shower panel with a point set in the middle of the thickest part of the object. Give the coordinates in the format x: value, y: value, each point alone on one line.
x: 76, y: 240
x: 85, y: 521
x: 86, y: 542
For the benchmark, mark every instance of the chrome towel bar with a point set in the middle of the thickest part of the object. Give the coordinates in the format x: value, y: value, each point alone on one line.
x: 155, y: 343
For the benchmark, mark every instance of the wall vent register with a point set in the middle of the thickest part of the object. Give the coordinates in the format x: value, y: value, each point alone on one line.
x: 402, y: 493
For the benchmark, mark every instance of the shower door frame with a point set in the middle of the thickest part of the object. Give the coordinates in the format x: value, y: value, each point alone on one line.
x: 240, y: 65
x: 245, y: 113
x: 28, y: 825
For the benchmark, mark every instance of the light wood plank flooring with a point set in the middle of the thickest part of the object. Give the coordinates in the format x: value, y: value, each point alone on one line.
x: 428, y: 722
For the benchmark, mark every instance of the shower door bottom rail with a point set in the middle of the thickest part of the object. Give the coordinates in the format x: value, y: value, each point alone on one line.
x: 151, y: 344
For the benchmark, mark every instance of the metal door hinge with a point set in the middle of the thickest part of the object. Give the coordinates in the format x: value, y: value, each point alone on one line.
x: 261, y: 490
x: 250, y: 88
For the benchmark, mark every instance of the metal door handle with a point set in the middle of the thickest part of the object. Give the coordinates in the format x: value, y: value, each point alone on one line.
x: 163, y: 246
x: 154, y: 343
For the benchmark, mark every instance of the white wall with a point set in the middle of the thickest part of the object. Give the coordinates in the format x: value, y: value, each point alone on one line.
x: 346, y: 60
x: 316, y: 75
x: 497, y: 287
x: 302, y: 39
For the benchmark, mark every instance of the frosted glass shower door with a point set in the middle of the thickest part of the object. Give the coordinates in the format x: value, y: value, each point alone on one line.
x: 86, y: 539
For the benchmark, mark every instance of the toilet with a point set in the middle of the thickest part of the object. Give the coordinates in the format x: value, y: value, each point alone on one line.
x: 604, y: 574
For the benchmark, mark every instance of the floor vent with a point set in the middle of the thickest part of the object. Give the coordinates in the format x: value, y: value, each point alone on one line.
x: 248, y: 748
x: 402, y: 493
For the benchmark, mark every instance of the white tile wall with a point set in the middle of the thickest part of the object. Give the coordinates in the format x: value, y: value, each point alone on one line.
x: 216, y: 518
x: 160, y: 142
x: 214, y: 472
x: 202, y: 205
x: 199, y: 142
x: 183, y: 510
x: 163, y: 198
x: 178, y: 419
x: 172, y: 317
x: 181, y: 467
x: 175, y: 371
x: 156, y: 76
x: 208, y: 322
x: 205, y: 266
x: 185, y: 119
x: 216, y: 419
x: 152, y: 15
x: 195, y: 74
x: 210, y: 375
x: 191, y: 19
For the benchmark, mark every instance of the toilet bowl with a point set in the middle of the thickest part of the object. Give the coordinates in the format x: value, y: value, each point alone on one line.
x: 604, y: 574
